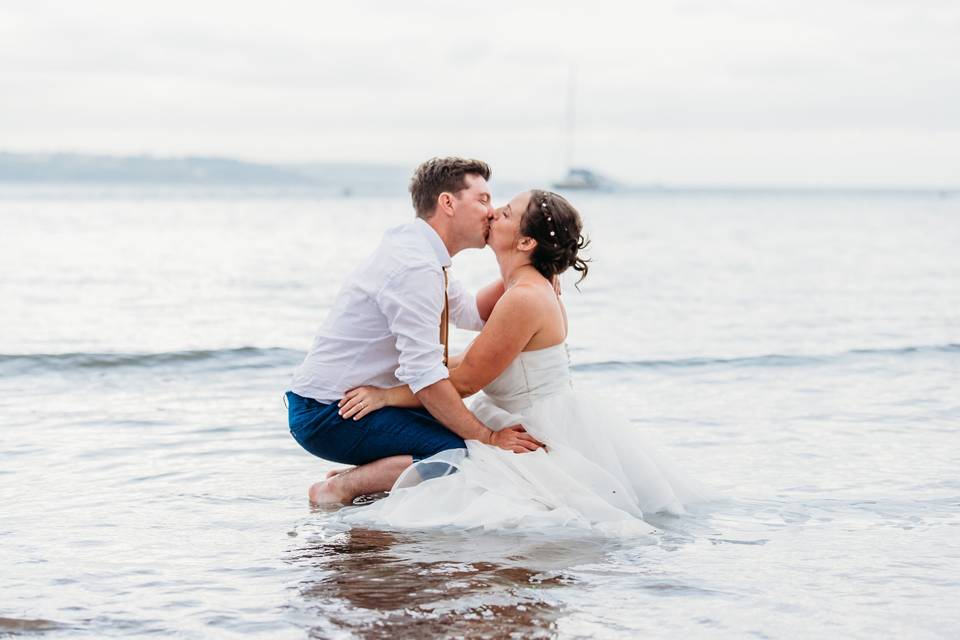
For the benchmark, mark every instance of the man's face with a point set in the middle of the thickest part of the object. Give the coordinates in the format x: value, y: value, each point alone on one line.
x: 473, y: 211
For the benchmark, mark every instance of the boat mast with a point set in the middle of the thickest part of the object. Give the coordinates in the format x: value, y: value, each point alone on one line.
x: 571, y: 115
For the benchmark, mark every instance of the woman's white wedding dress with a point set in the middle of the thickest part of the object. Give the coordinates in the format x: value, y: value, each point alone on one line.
x: 597, y: 472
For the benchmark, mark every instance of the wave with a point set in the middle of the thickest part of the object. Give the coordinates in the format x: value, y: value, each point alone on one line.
x: 239, y: 357
x: 265, y: 357
x: 765, y: 360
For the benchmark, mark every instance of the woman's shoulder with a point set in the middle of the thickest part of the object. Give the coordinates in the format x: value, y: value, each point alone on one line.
x: 530, y: 291
x: 528, y: 297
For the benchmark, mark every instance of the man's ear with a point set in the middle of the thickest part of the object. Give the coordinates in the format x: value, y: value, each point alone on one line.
x: 445, y: 200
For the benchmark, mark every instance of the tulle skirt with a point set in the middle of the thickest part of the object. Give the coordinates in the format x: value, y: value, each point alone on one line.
x: 597, y: 473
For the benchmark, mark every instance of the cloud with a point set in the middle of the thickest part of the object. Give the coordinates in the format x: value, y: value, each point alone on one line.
x: 773, y: 87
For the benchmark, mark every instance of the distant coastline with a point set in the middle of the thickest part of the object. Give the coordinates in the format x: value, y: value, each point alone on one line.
x: 340, y: 178
x: 72, y: 168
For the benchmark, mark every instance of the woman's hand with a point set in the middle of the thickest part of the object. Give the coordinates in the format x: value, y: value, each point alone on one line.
x: 358, y: 402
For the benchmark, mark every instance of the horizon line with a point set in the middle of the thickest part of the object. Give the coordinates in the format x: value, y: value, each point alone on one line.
x: 648, y: 185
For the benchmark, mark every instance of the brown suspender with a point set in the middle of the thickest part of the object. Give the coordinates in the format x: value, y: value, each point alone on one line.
x: 445, y: 320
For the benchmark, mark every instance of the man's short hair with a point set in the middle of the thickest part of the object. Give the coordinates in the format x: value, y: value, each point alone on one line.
x: 438, y: 175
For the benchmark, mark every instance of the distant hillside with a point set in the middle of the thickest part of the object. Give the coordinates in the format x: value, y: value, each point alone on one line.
x: 97, y: 169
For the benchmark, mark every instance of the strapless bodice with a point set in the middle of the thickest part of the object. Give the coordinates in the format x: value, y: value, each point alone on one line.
x: 531, y: 376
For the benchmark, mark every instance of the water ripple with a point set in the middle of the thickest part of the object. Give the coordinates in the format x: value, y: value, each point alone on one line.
x: 264, y: 357
x: 765, y: 360
x: 240, y: 357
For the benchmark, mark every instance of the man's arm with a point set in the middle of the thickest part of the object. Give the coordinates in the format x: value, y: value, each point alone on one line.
x: 444, y: 403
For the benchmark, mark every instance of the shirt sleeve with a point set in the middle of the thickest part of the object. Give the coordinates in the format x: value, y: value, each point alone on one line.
x: 463, y: 307
x: 412, y: 302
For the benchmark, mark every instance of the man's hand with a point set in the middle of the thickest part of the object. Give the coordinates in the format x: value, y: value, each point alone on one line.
x: 515, y: 439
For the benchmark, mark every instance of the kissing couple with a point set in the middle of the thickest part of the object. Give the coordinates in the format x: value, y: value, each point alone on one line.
x: 379, y: 390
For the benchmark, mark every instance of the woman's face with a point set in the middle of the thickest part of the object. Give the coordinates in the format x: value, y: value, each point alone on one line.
x: 505, y: 227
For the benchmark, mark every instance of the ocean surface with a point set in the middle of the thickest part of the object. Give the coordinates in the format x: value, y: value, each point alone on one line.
x: 798, y: 352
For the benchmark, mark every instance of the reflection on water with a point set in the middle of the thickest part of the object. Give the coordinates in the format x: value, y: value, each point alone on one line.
x: 10, y: 626
x: 389, y: 585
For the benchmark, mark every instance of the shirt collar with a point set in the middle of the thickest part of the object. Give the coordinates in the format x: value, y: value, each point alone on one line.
x: 428, y: 232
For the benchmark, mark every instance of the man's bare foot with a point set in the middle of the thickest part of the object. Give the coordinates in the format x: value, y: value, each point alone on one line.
x: 325, y: 493
x: 337, y: 472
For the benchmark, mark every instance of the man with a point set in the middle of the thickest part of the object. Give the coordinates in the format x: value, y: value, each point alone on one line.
x: 385, y: 329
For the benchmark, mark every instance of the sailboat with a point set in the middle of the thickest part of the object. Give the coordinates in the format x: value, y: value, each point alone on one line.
x: 579, y: 178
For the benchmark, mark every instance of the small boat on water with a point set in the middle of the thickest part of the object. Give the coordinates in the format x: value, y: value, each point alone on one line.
x: 582, y: 179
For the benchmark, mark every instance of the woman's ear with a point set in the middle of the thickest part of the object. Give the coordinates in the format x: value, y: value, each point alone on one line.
x: 526, y: 243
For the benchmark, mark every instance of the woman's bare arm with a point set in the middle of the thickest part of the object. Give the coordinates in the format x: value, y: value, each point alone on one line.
x: 514, y: 321
x: 511, y: 325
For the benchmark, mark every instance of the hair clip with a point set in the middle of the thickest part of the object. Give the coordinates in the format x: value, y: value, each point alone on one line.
x: 551, y: 227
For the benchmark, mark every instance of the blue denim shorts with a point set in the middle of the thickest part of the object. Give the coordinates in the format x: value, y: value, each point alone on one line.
x: 389, y: 431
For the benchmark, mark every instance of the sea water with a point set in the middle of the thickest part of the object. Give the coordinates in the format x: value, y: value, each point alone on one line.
x: 798, y: 352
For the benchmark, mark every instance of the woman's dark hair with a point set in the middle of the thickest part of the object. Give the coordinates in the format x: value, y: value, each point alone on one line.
x: 556, y: 226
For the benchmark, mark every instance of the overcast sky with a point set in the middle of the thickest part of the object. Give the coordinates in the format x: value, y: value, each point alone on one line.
x: 694, y: 92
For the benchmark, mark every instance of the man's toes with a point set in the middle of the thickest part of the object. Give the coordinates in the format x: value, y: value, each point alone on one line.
x: 323, y: 493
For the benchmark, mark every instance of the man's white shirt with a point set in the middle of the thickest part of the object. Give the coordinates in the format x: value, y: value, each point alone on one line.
x: 384, y: 327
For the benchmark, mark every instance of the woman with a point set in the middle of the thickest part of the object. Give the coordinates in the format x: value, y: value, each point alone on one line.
x: 596, y: 472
